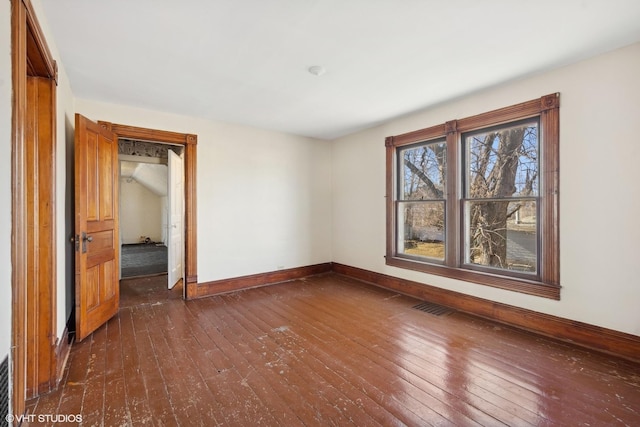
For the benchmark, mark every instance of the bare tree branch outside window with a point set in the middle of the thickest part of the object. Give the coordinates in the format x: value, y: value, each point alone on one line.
x: 500, y: 196
x: 422, y: 200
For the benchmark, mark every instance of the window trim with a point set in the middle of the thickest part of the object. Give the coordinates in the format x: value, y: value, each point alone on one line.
x: 548, y: 285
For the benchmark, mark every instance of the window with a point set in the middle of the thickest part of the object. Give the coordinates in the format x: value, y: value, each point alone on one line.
x: 476, y: 199
x: 421, y: 200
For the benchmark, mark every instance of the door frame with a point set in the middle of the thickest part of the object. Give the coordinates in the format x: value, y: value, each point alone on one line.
x: 30, y: 57
x: 189, y: 142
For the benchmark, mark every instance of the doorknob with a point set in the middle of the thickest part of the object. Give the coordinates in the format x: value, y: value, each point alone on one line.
x: 85, y: 239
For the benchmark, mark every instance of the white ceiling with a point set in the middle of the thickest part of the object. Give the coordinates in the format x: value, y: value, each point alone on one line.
x: 246, y: 61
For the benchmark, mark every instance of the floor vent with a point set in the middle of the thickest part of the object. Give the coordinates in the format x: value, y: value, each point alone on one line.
x: 435, y: 309
x: 4, y: 389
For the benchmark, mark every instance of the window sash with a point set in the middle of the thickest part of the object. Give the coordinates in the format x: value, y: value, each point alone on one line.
x: 434, y: 187
x: 421, y: 237
x: 506, y: 127
x: 520, y: 259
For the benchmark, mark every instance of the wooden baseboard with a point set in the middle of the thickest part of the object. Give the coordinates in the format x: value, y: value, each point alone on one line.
x: 605, y: 340
x: 198, y: 290
x: 63, y: 349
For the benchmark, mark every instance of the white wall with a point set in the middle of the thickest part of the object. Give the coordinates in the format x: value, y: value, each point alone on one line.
x: 264, y: 198
x: 599, y: 184
x: 5, y: 178
x: 140, y: 212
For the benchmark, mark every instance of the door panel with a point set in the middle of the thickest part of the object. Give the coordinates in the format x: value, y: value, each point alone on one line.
x: 97, y: 246
x: 175, y: 234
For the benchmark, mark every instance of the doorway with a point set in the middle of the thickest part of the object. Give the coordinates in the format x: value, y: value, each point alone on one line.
x: 151, y: 211
x: 103, y: 186
x: 187, y: 144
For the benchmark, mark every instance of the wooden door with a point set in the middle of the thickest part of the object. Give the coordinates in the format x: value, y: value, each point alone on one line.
x: 175, y: 199
x: 96, y: 237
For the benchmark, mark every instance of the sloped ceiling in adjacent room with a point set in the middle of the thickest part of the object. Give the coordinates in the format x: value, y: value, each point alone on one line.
x: 151, y: 176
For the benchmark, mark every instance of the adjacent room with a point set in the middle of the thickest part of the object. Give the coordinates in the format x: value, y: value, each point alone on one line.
x: 143, y: 192
x: 320, y: 213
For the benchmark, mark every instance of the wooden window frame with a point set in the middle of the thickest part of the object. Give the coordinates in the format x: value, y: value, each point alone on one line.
x: 547, y: 282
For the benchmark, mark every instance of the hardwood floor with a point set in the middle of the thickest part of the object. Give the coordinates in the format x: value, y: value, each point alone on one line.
x: 329, y: 350
x: 147, y: 290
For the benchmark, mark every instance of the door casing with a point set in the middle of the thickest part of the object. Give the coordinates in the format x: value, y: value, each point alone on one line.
x: 189, y: 142
x: 35, y: 360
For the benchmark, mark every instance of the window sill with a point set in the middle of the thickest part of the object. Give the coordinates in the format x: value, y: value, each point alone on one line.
x: 524, y: 286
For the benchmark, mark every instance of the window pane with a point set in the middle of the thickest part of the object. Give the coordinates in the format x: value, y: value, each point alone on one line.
x: 421, y: 229
x: 422, y: 172
x: 502, y: 162
x: 502, y: 235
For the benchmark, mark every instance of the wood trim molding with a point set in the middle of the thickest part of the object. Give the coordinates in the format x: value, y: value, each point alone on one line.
x: 40, y: 186
x: 63, y: 350
x: 420, y: 135
x: 190, y: 143
x: 40, y: 62
x: 191, y: 213
x: 620, y: 344
x: 217, y: 287
x: 151, y: 135
x: 18, y: 206
x: 33, y: 208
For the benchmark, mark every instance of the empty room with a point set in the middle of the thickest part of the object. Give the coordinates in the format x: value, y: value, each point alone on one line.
x: 319, y: 212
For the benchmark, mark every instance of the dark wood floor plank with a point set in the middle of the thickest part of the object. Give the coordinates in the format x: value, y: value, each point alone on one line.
x: 177, y: 380
x: 69, y: 397
x: 231, y: 385
x: 368, y: 352
x: 539, y: 372
x: 281, y: 354
x: 317, y: 369
x: 329, y: 350
x: 263, y: 383
x: 195, y: 369
x: 493, y: 359
x: 116, y: 412
x: 150, y: 371
x: 134, y: 387
x: 517, y: 385
x: 371, y: 386
x: 323, y: 365
x: 494, y: 389
x: 94, y: 394
x: 362, y: 355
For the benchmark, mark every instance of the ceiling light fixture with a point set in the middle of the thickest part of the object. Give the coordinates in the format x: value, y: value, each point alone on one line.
x: 317, y: 70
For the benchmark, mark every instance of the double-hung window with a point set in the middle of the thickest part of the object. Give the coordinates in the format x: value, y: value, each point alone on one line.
x: 476, y: 199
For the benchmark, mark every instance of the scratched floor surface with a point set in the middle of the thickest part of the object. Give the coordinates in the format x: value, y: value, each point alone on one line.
x: 329, y: 350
